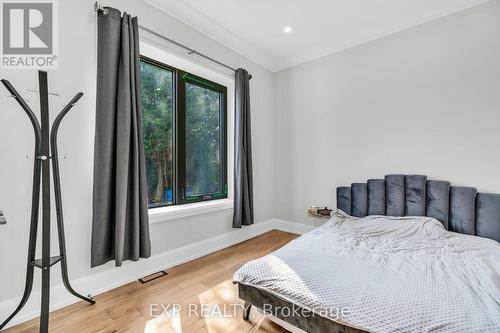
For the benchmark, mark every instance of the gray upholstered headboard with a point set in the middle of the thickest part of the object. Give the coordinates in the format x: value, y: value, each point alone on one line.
x: 459, y: 208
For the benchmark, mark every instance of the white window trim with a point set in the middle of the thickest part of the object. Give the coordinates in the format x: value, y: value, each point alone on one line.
x: 156, y: 50
x: 163, y: 214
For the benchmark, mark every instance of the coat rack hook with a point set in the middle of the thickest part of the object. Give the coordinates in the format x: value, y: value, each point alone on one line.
x: 37, y: 91
x: 28, y: 101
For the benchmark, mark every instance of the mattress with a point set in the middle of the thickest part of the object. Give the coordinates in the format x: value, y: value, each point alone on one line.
x: 392, y: 274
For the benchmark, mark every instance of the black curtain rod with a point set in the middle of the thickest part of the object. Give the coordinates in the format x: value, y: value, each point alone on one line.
x: 98, y: 7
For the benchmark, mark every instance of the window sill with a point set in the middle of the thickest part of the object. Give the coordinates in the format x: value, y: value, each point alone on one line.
x: 163, y: 214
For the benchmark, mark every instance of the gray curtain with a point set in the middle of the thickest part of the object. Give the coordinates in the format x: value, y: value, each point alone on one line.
x: 120, y: 226
x: 243, y: 181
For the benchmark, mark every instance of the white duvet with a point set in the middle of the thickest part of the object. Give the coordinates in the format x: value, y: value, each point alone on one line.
x: 404, y: 274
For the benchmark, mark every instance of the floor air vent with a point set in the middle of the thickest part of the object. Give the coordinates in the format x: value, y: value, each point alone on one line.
x: 152, y: 277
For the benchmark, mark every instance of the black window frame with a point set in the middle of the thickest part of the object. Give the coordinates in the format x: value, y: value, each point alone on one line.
x: 180, y: 78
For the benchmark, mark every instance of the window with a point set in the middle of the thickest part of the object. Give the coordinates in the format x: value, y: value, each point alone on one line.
x: 184, y: 123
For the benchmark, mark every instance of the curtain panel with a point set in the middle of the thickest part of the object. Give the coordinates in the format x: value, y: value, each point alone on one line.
x: 243, y: 178
x: 120, y: 225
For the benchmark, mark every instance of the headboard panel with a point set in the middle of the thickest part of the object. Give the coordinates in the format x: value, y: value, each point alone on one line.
x: 415, y: 195
x: 344, y: 201
x: 438, y: 200
x: 376, y: 197
x: 463, y: 209
x: 359, y: 195
x: 459, y: 208
x: 395, y: 195
x: 487, y: 211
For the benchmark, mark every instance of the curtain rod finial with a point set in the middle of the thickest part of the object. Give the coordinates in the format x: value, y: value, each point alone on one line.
x: 100, y: 8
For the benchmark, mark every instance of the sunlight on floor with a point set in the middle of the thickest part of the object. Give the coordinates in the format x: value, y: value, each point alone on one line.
x: 217, y: 310
x: 226, y: 308
x: 167, y: 323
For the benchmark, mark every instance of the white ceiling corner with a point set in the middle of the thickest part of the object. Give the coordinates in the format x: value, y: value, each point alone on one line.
x: 254, y: 28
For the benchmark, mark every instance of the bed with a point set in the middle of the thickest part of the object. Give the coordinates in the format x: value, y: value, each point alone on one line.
x: 401, y: 254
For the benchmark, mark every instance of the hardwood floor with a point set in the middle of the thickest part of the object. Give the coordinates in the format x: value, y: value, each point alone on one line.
x: 200, y: 287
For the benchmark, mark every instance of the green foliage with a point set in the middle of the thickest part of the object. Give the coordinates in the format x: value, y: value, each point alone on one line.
x: 157, y: 107
x: 203, y: 121
x: 202, y: 140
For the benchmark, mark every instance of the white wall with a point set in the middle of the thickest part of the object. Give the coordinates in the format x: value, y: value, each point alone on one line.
x: 425, y: 100
x: 77, y: 72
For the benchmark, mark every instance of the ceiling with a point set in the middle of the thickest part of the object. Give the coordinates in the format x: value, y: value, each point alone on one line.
x: 255, y: 28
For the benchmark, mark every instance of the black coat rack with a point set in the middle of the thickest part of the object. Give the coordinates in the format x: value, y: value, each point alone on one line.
x: 41, y: 173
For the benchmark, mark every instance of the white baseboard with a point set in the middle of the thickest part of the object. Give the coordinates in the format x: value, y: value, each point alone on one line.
x: 100, y: 282
x: 293, y: 227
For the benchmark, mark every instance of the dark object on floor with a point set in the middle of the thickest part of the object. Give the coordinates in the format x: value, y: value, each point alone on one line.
x: 318, y: 211
x: 3, y: 220
x: 246, y: 311
x: 152, y: 277
x: 325, y: 211
x: 41, y: 174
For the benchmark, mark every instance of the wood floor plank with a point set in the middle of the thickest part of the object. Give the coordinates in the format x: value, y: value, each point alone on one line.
x: 204, y: 281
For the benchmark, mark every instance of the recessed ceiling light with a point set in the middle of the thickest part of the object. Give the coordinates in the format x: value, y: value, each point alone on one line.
x: 287, y: 29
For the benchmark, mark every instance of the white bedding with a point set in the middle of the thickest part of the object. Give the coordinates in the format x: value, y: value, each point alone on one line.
x: 404, y: 274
